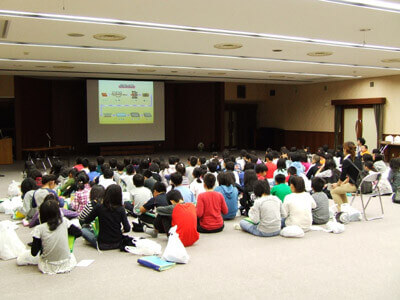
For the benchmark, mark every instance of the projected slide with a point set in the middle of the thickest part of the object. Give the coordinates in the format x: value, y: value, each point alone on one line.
x: 126, y: 102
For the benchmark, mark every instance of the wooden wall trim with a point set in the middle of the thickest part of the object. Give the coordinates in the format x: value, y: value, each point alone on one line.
x: 364, y: 101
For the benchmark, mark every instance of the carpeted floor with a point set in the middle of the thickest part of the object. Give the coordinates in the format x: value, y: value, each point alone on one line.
x: 361, y: 263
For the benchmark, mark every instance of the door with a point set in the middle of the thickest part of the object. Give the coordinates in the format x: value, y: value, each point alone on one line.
x: 360, y: 122
x: 240, y: 125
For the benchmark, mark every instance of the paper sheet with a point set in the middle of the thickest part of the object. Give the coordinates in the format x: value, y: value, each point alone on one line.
x: 85, y: 262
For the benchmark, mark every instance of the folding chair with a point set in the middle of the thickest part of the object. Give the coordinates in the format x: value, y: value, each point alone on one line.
x: 374, y: 180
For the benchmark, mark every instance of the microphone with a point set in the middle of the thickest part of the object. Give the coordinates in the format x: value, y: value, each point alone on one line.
x: 49, y: 137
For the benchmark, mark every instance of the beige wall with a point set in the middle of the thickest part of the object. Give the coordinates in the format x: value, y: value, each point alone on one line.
x: 6, y: 86
x: 308, y: 107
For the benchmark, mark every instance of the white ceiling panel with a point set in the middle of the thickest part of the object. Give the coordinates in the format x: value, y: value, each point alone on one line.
x: 310, y: 19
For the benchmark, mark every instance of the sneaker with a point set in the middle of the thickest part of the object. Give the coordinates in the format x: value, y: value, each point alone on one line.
x: 152, y: 232
x: 237, y: 226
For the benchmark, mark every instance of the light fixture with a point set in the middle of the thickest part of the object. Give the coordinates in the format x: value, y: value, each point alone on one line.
x: 65, y: 67
x: 199, y: 55
x: 228, y: 46
x: 146, y: 70
x: 320, y: 53
x: 192, y: 29
x: 173, y: 67
x: 371, y: 4
x: 75, y: 34
x: 110, y: 37
x: 391, y: 60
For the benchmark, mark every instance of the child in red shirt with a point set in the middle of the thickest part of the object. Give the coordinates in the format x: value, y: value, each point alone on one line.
x: 210, y: 206
x: 177, y: 213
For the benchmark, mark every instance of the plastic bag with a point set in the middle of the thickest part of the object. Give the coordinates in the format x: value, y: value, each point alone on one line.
x: 175, y: 251
x: 13, y: 189
x: 10, y: 244
x: 26, y: 258
x: 9, y: 206
x: 292, y: 231
x: 353, y: 214
x: 335, y: 227
x: 144, y: 247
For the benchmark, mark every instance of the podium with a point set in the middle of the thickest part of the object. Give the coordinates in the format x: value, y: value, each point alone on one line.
x: 6, y: 155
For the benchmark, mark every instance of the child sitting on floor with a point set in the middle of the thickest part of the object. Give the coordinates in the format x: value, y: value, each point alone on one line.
x: 111, y: 215
x: 82, y: 194
x: 176, y: 213
x: 266, y: 213
x: 298, y: 205
x: 280, y: 189
x: 50, y: 239
x: 320, y: 214
x: 210, y: 206
x: 226, y: 187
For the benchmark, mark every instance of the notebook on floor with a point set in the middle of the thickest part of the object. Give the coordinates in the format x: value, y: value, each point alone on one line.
x: 156, y: 263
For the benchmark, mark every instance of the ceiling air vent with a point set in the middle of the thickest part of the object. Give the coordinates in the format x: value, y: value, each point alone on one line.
x: 4, y: 25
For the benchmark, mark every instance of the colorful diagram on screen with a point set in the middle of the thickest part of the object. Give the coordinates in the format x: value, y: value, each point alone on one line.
x: 126, y: 102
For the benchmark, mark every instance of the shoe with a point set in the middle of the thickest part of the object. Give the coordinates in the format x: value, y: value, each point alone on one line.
x: 237, y: 226
x: 152, y: 232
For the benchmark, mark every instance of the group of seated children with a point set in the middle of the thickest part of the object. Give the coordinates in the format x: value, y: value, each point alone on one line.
x: 197, y: 198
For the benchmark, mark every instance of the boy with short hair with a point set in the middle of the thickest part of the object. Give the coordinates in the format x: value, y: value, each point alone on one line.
x: 261, y: 171
x: 280, y: 189
x: 210, y: 206
x: 176, y: 213
x: 320, y: 214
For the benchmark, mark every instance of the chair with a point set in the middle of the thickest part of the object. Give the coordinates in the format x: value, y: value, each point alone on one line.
x: 374, y: 180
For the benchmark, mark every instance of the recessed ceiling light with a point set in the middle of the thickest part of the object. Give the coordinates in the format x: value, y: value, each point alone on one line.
x: 277, y: 50
x: 109, y: 37
x: 319, y: 53
x: 391, y: 60
x: 74, y: 34
x: 365, y: 29
x: 227, y: 46
x: 63, y: 67
x: 146, y: 70
x: 216, y: 73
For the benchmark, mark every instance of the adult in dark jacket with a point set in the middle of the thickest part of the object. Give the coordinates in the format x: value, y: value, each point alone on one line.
x: 348, y: 177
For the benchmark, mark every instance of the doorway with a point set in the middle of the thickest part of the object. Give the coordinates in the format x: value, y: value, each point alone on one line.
x: 240, y: 126
x: 360, y: 122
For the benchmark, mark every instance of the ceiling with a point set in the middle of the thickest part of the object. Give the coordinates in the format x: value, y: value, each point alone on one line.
x: 39, y: 44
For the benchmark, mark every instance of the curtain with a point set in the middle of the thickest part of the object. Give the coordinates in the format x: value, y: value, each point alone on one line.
x: 378, y: 110
x: 338, y: 122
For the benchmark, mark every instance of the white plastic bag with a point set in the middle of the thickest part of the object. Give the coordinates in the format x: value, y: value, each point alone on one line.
x: 292, y: 231
x: 144, y: 247
x: 26, y: 258
x: 334, y: 227
x: 9, y: 206
x: 13, y: 189
x: 175, y: 251
x: 353, y: 214
x: 10, y: 244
